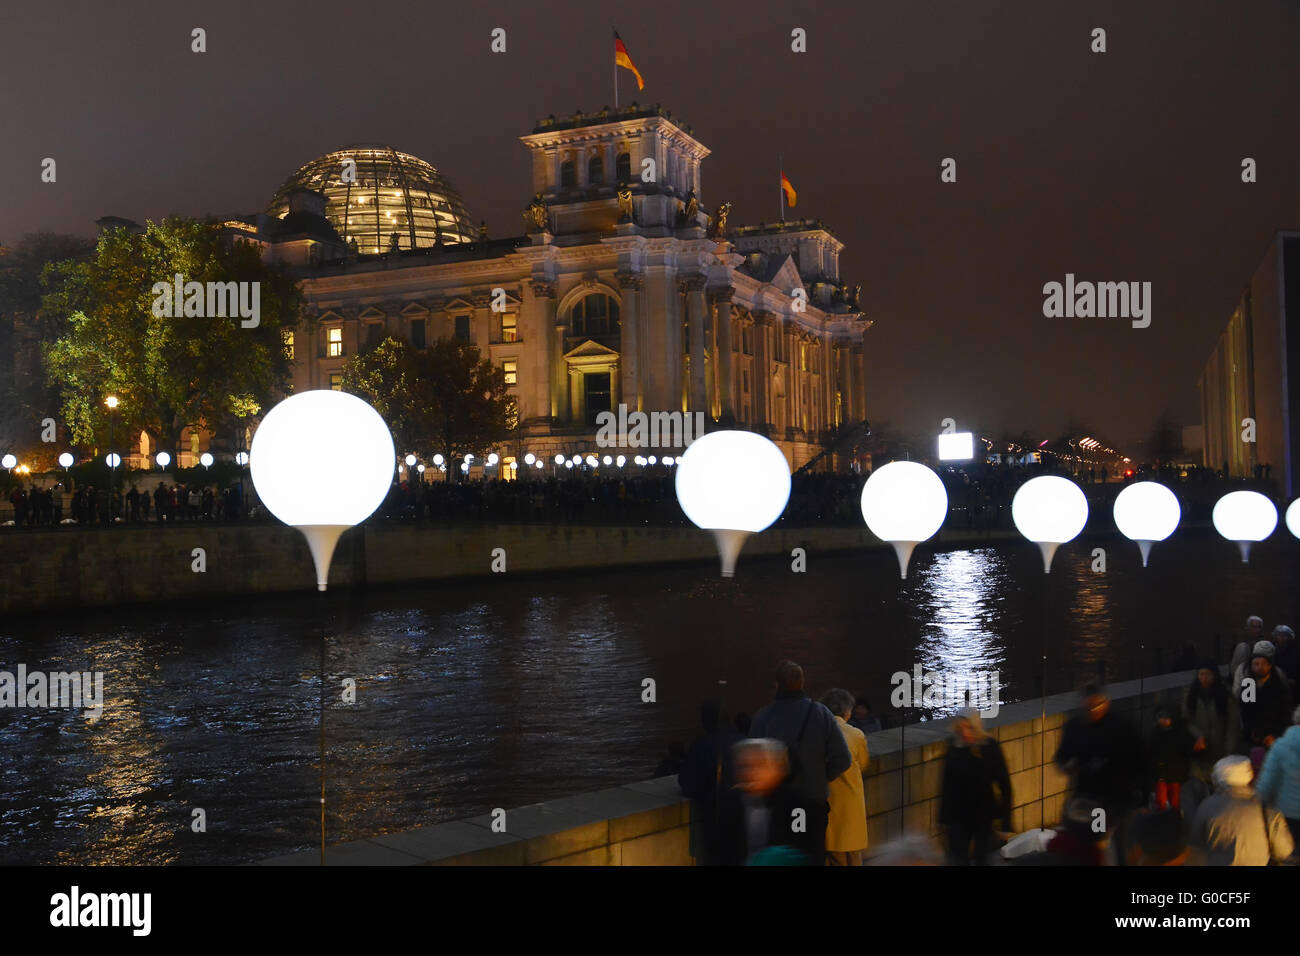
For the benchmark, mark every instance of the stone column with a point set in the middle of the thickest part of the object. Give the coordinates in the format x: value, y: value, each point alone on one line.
x: 630, y: 338
x: 785, y: 329
x: 693, y: 287
x: 724, y: 365
x: 762, y: 371
x: 858, y: 362
x: 557, y: 381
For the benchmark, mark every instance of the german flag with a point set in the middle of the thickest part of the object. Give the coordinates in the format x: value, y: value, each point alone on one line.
x: 623, y: 58
x: 788, y: 189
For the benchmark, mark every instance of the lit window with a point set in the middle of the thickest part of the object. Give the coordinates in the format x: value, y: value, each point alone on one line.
x: 336, y: 381
x: 334, y: 342
x: 509, y: 327
x: 287, y: 336
x: 511, y: 368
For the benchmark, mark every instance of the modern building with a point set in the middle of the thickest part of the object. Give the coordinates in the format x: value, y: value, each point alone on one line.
x: 1254, y: 373
x: 622, y: 291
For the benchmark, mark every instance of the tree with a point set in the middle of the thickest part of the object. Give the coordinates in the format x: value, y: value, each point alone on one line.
x: 26, y: 398
x: 1166, y: 442
x: 444, y: 398
x: 168, y: 371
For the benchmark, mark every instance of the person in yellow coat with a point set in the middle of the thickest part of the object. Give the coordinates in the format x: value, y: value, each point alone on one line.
x: 846, y: 833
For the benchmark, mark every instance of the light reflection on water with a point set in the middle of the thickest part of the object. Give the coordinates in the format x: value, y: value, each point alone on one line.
x: 486, y: 694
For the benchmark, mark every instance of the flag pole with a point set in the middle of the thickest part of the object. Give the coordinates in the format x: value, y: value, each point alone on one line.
x: 780, y: 185
x: 615, y: 74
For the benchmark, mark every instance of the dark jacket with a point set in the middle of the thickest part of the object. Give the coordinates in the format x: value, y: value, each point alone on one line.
x: 818, y: 753
x: 1269, y: 714
x: 1106, y: 757
x: 976, y: 787
x: 735, y: 848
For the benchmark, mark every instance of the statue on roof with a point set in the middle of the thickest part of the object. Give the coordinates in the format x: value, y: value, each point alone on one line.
x: 718, y: 221
x: 535, y: 215
x: 692, y: 208
x: 625, y: 210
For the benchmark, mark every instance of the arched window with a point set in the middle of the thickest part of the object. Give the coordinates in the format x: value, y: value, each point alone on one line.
x: 568, y: 174
x: 595, y: 315
x: 623, y: 168
x: 596, y: 170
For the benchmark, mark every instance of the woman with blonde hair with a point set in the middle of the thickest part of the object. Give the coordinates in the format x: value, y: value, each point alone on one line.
x: 976, y: 791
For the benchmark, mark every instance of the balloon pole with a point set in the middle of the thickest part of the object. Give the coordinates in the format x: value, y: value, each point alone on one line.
x: 729, y: 544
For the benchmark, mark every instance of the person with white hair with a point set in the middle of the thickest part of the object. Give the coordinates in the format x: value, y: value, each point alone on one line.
x: 1233, y: 827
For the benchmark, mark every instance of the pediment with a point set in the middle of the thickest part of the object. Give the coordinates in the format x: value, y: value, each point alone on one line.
x: 787, y: 278
x: 591, y: 349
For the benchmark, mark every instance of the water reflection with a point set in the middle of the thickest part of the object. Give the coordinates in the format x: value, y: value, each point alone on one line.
x: 964, y: 641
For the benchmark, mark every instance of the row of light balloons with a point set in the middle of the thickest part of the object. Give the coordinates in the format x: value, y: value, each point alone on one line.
x: 322, y: 461
x: 113, y: 459
x: 532, y: 461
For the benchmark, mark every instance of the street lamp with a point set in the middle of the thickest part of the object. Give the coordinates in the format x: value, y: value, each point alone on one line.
x: 904, y: 503
x: 1244, y: 517
x: 321, y: 462
x: 111, y: 402
x: 1049, y: 511
x: 1147, y: 512
x: 733, y: 484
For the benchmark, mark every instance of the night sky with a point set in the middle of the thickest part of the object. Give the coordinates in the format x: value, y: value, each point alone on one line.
x: 1119, y: 166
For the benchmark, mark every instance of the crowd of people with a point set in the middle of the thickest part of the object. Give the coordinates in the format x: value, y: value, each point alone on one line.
x: 1212, y: 779
x: 38, y: 507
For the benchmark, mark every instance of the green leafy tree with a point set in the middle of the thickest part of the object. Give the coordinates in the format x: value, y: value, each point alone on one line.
x: 26, y: 398
x: 168, y: 372
x: 445, y: 398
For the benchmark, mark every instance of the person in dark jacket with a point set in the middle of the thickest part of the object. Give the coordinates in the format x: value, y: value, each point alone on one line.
x: 706, y: 774
x: 1102, y: 752
x: 976, y: 794
x: 1265, y: 703
x: 762, y: 816
x: 1169, y: 759
x: 818, y: 753
x: 1205, y: 710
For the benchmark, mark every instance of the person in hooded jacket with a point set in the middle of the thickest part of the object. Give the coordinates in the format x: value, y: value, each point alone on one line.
x: 1279, y: 777
x: 1233, y: 827
x: 975, y: 799
x: 1205, y: 711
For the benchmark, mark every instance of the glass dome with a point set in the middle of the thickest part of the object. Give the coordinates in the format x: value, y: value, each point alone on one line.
x: 393, y: 193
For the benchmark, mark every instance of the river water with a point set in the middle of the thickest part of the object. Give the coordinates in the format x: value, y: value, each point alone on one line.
x: 509, y: 690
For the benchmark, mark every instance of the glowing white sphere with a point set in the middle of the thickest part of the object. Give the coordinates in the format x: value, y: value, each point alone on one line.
x: 469, y: 458
x: 621, y: 460
x: 1293, y: 518
x: 537, y: 464
x: 904, y: 501
x: 241, y: 458
x: 1244, y: 516
x: 65, y: 460
x: 514, y: 466
x: 591, y: 461
x: 439, y: 460
x: 493, y: 459
x: 607, y: 460
x: 410, y: 461
x: 8, y: 461
x: 163, y: 459
x: 420, y: 468
x: 113, y: 459
x: 205, y: 460
x: 559, y: 459
x: 1049, y: 509
x: 733, y: 480
x: 529, y: 459
x: 322, y: 457
x: 569, y: 463
x: 464, y: 467
x: 651, y: 459
x: 668, y: 460
x: 1147, y: 511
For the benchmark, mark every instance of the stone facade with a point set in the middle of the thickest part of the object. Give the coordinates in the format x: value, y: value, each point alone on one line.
x: 659, y: 310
